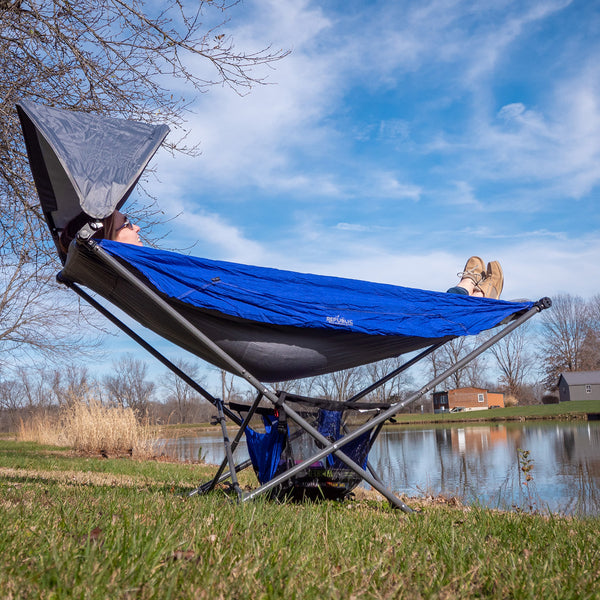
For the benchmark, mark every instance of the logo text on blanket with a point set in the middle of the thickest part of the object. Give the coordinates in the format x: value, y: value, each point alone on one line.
x: 339, y: 320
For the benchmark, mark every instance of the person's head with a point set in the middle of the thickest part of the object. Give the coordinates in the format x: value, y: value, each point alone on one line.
x: 115, y: 227
x: 119, y: 228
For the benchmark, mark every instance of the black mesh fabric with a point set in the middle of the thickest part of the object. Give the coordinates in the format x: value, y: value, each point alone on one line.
x: 328, y: 477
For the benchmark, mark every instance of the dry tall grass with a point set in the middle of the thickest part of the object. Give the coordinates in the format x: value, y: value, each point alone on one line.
x: 92, y: 427
x: 43, y: 429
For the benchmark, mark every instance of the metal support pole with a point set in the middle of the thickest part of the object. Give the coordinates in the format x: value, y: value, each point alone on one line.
x: 228, y: 452
x: 172, y: 367
x: 193, y: 331
x: 238, y: 436
x: 144, y: 344
x: 209, y: 485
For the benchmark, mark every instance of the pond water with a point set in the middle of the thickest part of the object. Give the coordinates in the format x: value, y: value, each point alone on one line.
x: 476, y: 463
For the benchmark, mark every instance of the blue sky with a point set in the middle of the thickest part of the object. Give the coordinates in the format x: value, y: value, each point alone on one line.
x: 399, y: 138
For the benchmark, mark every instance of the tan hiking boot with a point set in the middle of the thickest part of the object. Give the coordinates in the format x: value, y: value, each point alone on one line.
x: 494, y: 281
x: 474, y: 270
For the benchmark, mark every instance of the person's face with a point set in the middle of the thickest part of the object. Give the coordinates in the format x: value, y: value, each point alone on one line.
x: 128, y: 234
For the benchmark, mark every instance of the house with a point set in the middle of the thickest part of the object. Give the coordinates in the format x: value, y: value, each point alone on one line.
x: 579, y: 385
x: 470, y: 398
x: 495, y: 400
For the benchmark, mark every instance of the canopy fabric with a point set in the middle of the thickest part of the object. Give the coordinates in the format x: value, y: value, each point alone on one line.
x: 84, y: 162
x: 281, y: 324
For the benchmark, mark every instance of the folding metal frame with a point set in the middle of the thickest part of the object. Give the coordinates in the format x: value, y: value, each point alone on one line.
x: 229, y: 469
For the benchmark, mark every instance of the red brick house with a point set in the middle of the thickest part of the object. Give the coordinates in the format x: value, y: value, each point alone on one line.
x: 469, y: 398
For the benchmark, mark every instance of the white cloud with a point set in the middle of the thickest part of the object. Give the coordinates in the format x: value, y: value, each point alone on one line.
x: 511, y: 111
x: 387, y: 185
x: 224, y: 239
x: 209, y: 234
x: 537, y: 268
x: 353, y: 227
x: 463, y: 194
x: 557, y: 146
x: 248, y: 140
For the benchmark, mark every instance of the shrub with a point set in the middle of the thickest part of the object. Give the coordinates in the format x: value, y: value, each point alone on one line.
x: 550, y: 399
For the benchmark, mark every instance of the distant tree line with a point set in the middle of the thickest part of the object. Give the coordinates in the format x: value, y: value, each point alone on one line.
x: 29, y: 393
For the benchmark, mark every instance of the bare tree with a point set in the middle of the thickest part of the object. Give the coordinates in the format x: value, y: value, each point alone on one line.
x: 110, y: 57
x: 29, y: 318
x: 184, y: 398
x: 395, y: 388
x: 341, y: 385
x: 28, y: 392
x: 11, y: 403
x: 73, y: 383
x: 449, y: 354
x: 514, y: 359
x: 128, y: 386
x: 230, y: 390
x: 590, y: 349
x: 564, y: 329
x: 594, y: 314
x: 35, y: 389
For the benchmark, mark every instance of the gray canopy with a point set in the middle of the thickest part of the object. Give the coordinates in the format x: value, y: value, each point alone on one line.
x: 84, y: 162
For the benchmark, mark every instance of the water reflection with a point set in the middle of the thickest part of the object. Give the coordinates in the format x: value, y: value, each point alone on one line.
x: 475, y: 463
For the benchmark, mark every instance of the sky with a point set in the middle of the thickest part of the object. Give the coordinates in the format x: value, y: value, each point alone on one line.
x: 396, y: 140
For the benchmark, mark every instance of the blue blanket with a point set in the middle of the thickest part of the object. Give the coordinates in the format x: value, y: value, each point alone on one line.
x: 287, y: 298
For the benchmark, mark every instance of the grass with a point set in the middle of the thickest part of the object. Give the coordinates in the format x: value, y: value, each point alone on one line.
x: 77, y: 527
x: 564, y: 410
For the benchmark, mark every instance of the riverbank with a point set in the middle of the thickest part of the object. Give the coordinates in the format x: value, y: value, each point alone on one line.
x: 74, y: 526
x: 565, y: 411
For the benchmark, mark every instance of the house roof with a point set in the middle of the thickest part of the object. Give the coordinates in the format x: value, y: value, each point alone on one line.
x: 581, y: 377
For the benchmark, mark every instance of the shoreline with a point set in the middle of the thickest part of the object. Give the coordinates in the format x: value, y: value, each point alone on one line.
x: 588, y: 410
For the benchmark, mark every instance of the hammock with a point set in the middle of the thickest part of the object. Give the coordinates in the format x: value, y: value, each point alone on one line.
x: 282, y: 325
x: 262, y: 324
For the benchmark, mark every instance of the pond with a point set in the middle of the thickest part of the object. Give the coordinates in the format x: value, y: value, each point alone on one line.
x: 476, y: 463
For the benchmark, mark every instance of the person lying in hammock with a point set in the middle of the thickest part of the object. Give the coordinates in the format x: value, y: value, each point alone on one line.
x: 477, y: 279
x: 116, y: 227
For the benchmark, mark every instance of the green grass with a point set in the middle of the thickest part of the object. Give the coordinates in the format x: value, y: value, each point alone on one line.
x: 564, y: 410
x: 73, y: 527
